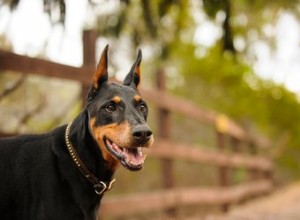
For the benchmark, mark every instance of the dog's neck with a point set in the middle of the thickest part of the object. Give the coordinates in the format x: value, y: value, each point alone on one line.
x: 87, y: 148
x: 82, y: 191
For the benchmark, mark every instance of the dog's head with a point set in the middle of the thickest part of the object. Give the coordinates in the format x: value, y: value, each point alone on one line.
x: 117, y: 117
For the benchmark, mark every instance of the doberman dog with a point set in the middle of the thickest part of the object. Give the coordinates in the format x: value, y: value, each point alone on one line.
x: 64, y: 174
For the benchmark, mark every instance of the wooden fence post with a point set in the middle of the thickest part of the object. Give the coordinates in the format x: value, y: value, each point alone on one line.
x: 221, y: 125
x: 89, y: 57
x: 253, y: 173
x: 164, y: 131
x: 236, y: 148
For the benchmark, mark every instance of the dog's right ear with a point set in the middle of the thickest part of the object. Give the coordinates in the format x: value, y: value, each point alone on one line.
x: 101, y: 74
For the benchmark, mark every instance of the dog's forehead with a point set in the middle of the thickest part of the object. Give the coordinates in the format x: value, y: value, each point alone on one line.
x: 117, y: 90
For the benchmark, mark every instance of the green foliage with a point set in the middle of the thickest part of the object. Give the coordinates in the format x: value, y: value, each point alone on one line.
x: 226, y: 84
x: 212, y: 7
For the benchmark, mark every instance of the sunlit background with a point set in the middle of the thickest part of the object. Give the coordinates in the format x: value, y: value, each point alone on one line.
x: 271, y: 45
x: 240, y: 58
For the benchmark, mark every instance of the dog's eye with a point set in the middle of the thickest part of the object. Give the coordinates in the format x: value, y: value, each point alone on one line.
x: 111, y: 107
x: 142, y: 108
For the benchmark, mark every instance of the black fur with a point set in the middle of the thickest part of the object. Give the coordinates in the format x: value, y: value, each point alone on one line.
x: 39, y: 179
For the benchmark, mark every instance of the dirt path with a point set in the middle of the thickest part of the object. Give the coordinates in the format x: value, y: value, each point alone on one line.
x: 281, y: 205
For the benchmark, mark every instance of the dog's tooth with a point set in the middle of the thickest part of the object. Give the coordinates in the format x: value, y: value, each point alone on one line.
x: 114, y: 145
x: 108, y: 142
x: 135, y: 163
x: 140, y: 152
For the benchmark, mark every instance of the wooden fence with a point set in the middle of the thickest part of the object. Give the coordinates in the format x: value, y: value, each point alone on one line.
x: 259, y: 168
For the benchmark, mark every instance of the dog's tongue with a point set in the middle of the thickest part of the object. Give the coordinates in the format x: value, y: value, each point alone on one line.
x: 132, y: 155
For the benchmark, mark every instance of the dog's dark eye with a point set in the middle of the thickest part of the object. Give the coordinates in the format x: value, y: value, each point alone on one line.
x: 111, y: 107
x: 142, y: 108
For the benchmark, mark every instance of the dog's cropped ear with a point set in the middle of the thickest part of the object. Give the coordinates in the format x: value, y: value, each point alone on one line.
x: 101, y: 74
x: 133, y: 78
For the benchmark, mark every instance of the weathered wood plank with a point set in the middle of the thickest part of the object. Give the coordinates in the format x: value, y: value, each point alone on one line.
x: 167, y: 149
x: 174, y: 104
x: 4, y: 135
x: 159, y: 200
x: 29, y: 65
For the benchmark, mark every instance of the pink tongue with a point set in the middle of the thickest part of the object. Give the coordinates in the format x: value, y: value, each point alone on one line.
x: 134, y: 156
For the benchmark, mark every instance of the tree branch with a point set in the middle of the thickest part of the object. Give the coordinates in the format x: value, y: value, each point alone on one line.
x: 227, y: 30
x: 149, y: 19
x: 11, y: 88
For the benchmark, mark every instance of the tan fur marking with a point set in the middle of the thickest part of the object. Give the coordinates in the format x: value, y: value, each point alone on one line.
x: 116, y: 99
x: 118, y: 133
x: 101, y: 68
x: 137, y: 70
x: 137, y: 98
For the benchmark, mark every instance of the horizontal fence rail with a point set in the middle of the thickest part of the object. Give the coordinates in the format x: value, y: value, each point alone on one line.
x: 117, y: 206
x: 170, y: 150
x: 170, y: 103
x: 28, y: 65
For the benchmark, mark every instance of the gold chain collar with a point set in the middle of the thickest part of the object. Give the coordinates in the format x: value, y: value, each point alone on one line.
x: 100, y: 187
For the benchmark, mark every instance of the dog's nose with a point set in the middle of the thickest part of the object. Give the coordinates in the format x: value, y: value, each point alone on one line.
x: 141, y: 133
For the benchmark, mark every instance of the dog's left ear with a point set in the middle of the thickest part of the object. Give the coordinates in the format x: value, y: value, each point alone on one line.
x: 133, y: 78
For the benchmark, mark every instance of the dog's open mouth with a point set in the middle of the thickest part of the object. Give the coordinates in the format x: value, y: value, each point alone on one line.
x: 130, y: 157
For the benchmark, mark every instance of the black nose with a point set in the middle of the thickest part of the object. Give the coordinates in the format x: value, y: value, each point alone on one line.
x: 141, y: 133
